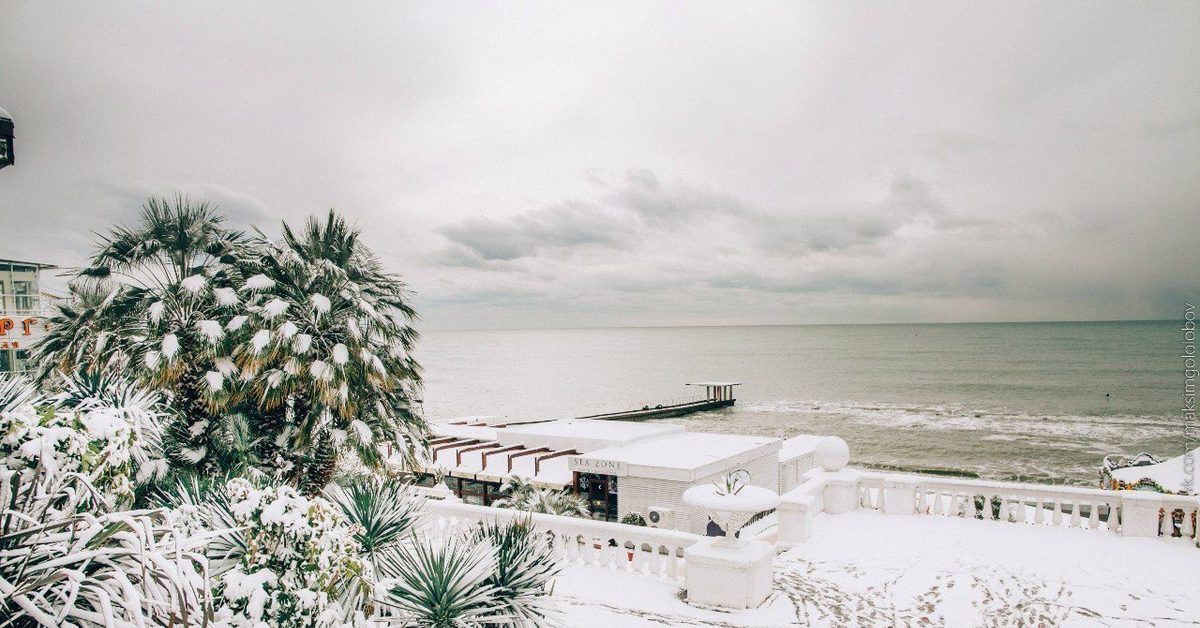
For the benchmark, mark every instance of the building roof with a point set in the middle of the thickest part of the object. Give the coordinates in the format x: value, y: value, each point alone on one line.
x: 39, y: 265
x: 584, y: 434
x: 1171, y: 475
x: 797, y: 446
x: 683, y: 456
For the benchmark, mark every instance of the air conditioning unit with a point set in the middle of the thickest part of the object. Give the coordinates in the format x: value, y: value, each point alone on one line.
x: 659, y: 517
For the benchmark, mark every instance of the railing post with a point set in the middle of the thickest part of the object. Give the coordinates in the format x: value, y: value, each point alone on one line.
x: 841, y: 491
x: 1139, y: 513
x: 729, y: 576
x: 899, y: 496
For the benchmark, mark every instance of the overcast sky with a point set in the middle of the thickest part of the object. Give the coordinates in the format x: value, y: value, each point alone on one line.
x: 643, y: 164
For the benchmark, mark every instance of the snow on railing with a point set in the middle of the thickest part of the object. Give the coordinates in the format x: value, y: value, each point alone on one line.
x: 1037, y: 504
x: 1129, y: 513
x: 616, y: 546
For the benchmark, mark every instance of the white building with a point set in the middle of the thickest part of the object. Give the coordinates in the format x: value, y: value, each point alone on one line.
x: 24, y: 310
x: 620, y: 467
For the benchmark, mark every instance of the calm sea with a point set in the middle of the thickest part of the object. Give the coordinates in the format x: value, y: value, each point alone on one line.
x: 1030, y: 401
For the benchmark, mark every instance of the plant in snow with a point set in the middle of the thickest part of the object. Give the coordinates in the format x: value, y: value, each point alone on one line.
x: 384, y: 509
x: 149, y: 306
x: 283, y: 559
x: 521, y: 494
x: 441, y: 582
x: 525, y: 565
x: 64, y: 563
x: 325, y: 351
x: 66, y: 558
x: 101, y: 428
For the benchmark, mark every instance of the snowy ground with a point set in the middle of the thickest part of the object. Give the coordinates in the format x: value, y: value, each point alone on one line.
x: 864, y: 569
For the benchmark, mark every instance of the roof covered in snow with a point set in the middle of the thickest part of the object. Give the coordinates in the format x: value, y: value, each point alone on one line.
x: 1171, y: 474
x: 682, y: 456
x: 797, y: 446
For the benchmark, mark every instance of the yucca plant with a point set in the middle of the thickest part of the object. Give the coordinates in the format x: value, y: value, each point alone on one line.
x: 525, y: 565
x: 385, y: 510
x: 60, y: 565
x: 441, y: 582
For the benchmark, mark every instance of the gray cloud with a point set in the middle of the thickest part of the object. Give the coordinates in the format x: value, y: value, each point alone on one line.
x: 643, y: 163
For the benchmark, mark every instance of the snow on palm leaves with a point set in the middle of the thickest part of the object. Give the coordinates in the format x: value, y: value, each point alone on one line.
x: 326, y: 343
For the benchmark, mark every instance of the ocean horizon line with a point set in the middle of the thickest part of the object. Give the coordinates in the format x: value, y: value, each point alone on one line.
x: 745, y: 325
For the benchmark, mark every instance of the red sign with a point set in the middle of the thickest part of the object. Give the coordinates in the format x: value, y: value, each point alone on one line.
x: 7, y: 324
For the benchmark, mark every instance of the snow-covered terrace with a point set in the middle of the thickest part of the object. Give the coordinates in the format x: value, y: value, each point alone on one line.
x: 860, y: 548
x: 868, y: 569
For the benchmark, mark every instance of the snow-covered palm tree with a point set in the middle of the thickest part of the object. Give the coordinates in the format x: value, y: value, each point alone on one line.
x: 148, y: 305
x: 325, y: 351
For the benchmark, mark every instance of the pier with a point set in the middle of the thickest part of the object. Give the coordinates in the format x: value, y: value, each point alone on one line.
x: 716, y: 395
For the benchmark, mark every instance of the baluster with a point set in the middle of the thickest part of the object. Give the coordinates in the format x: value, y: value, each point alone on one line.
x: 1021, y: 510
x: 1003, y: 516
x: 920, y: 501
x: 1039, y: 517
x: 1056, y: 518
x: 644, y: 556
x: 972, y: 511
x: 571, y: 549
x: 673, y: 566
x: 880, y: 498
x: 591, y: 550
x: 1093, y: 516
x: 937, y: 504
x: 1075, y: 518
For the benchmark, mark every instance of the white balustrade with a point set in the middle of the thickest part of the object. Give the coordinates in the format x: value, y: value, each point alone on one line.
x: 617, y: 546
x: 1133, y: 513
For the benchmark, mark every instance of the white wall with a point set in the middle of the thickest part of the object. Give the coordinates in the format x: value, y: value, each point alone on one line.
x: 790, y: 471
x: 636, y: 494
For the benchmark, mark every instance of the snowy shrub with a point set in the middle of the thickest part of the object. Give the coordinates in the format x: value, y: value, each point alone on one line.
x: 101, y: 428
x: 384, y: 510
x: 441, y: 582
x: 520, y: 494
x: 63, y: 565
x: 288, y: 561
x: 67, y: 558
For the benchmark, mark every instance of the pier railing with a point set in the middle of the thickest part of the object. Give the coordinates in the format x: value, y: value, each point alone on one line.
x: 1128, y: 513
x: 625, y: 548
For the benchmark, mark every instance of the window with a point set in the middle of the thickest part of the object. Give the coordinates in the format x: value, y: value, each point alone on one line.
x: 24, y: 296
x: 22, y: 361
x: 6, y: 364
x: 600, y: 491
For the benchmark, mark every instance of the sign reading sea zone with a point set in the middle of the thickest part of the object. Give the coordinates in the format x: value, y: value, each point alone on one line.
x: 600, y: 467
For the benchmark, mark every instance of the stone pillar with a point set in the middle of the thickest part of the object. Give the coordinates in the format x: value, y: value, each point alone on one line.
x: 796, y: 514
x: 729, y: 576
x: 1139, y: 513
x: 841, y: 492
x: 899, y: 496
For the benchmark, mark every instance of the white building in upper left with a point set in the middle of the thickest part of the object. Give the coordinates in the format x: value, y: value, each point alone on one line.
x: 24, y: 311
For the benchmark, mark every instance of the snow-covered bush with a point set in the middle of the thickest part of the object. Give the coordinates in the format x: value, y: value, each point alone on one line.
x: 288, y: 561
x: 525, y: 564
x: 104, y: 429
x: 66, y: 557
